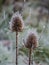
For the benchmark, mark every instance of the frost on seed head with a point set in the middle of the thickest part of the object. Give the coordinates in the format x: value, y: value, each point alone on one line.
x: 31, y: 40
x: 16, y: 23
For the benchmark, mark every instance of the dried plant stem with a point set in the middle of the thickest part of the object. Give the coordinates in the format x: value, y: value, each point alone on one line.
x: 30, y: 56
x: 16, y: 48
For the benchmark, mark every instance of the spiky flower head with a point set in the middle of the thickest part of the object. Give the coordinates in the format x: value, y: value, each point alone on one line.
x: 16, y: 23
x: 31, y: 41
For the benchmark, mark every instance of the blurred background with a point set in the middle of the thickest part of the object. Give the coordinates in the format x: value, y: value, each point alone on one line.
x: 35, y: 14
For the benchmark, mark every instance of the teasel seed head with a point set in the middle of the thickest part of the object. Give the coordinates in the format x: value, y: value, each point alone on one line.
x: 31, y: 41
x: 16, y: 23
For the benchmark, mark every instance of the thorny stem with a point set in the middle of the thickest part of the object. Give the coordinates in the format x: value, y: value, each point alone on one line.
x: 16, y: 48
x: 30, y: 56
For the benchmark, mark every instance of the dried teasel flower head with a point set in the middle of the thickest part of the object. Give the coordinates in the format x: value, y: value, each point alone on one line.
x: 16, y: 23
x: 31, y: 41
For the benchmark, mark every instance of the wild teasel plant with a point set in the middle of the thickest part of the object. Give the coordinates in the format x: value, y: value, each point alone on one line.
x: 16, y: 25
x: 31, y: 43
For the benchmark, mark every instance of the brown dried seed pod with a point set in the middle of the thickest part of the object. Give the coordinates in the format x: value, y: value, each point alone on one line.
x: 31, y: 41
x: 16, y: 24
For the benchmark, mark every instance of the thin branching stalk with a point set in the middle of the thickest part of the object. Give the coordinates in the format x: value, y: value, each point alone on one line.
x: 16, y: 48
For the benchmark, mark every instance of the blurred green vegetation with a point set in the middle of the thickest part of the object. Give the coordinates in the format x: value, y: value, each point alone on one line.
x: 40, y: 54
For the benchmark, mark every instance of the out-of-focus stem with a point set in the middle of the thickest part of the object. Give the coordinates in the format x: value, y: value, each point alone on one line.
x: 30, y: 56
